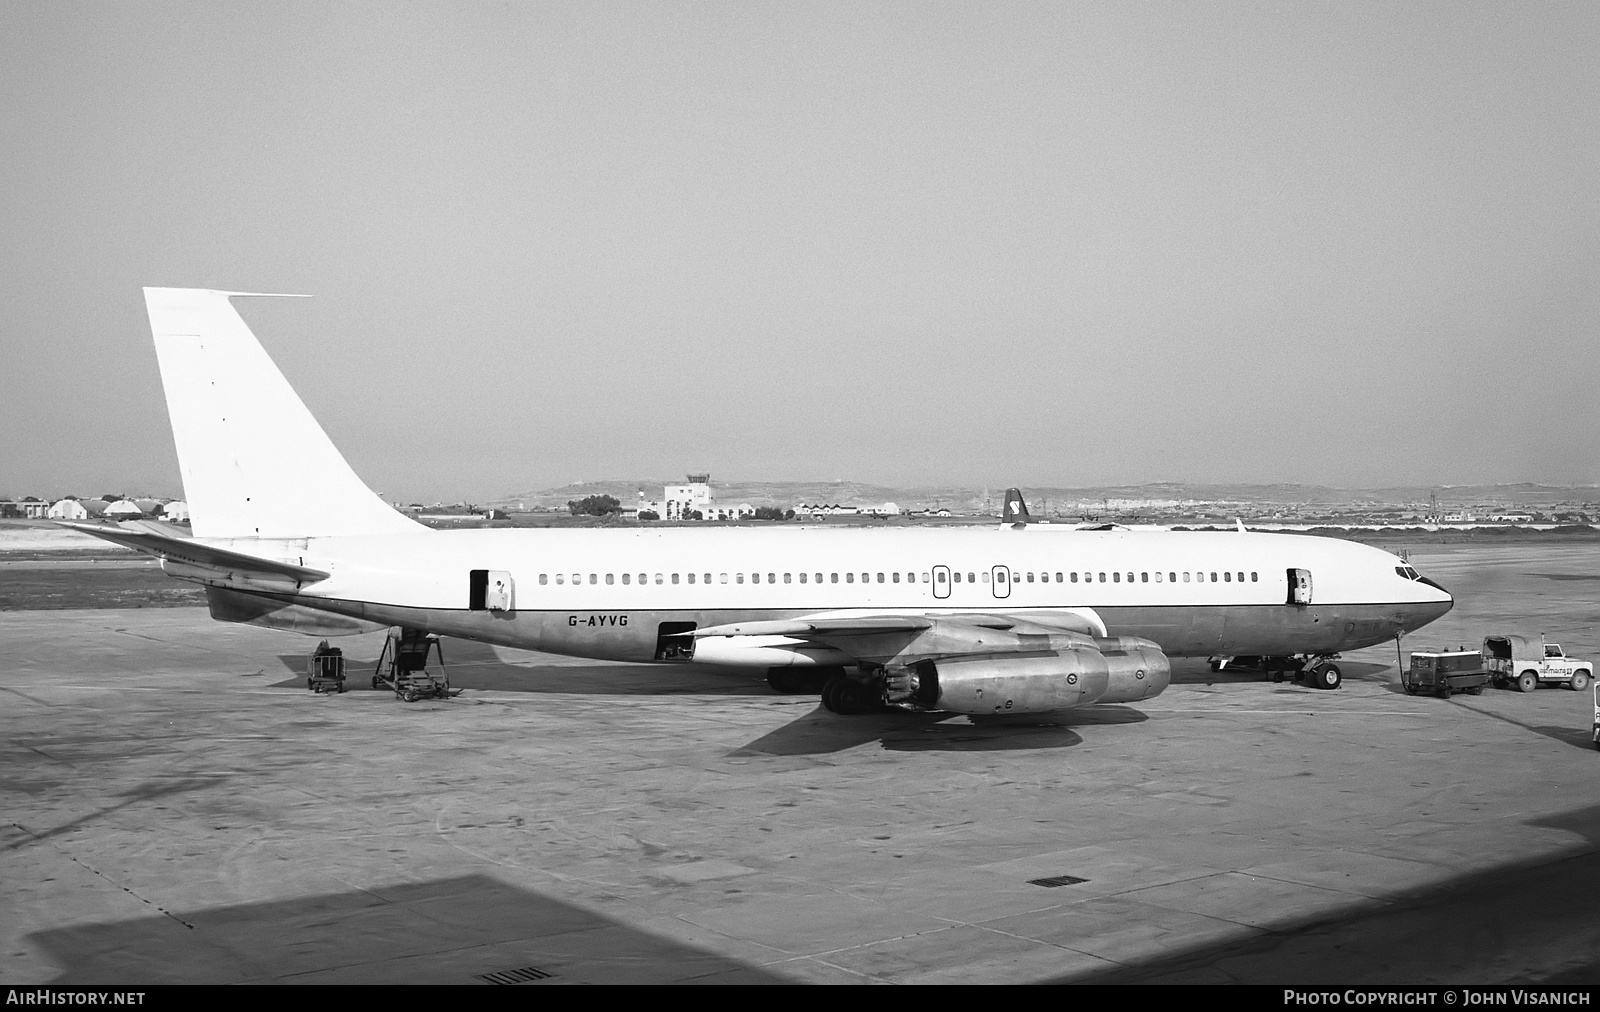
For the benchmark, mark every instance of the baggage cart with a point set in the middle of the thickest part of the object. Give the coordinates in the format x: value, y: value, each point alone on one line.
x: 325, y: 669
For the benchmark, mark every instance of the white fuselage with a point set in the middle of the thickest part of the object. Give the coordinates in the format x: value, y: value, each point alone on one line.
x: 605, y: 593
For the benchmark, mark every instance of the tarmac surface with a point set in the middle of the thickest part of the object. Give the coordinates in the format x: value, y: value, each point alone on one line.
x: 177, y: 807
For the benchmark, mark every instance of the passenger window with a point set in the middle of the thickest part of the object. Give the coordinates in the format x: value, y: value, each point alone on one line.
x: 708, y: 577
x: 674, y: 577
x: 722, y: 577
x: 1074, y: 576
x: 849, y: 578
x: 880, y: 577
x: 955, y: 577
x: 1185, y: 577
x: 594, y: 578
x: 897, y: 577
x: 866, y: 577
x: 1116, y: 577
x: 1144, y: 577
x: 644, y: 578
x: 610, y: 579
x: 691, y: 577
x: 1102, y: 578
x: 1252, y: 578
x: 773, y: 577
x: 1213, y: 577
x: 738, y: 577
x: 544, y: 578
x: 1158, y: 577
x: 1173, y: 577
x: 939, y: 576
x: 1030, y: 577
x: 1227, y: 577
x: 577, y: 578
x: 802, y: 578
x: 787, y: 575
x: 1059, y: 579
x: 833, y: 577
x: 561, y: 578
x: 983, y: 577
x: 658, y: 577
x: 1130, y: 577
x: 627, y: 578
x: 1241, y: 577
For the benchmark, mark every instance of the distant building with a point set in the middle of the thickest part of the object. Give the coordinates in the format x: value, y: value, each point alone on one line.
x: 124, y: 509
x: 67, y: 509
x: 30, y: 509
x: 682, y: 502
x: 176, y: 512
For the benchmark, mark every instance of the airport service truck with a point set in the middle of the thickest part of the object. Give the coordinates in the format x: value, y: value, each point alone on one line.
x: 1525, y: 662
x: 1596, y: 731
x: 1442, y: 672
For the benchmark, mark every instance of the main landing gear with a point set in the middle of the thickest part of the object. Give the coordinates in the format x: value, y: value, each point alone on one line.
x: 840, y: 692
x: 1316, y: 670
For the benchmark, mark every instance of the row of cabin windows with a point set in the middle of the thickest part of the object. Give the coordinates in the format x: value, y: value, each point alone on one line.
x: 643, y: 578
x: 1116, y: 577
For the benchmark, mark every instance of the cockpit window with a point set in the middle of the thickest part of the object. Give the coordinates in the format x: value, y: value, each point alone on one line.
x: 1408, y: 572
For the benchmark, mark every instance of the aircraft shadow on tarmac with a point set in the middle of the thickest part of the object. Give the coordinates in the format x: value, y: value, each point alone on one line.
x: 477, y: 666
x: 453, y: 930
x: 820, y: 732
x: 1509, y: 924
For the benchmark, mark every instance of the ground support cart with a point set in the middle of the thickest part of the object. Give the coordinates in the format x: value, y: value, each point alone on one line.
x: 1442, y: 672
x: 325, y: 669
x: 403, y: 666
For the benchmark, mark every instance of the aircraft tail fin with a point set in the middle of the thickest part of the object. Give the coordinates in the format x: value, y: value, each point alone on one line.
x: 1016, y: 511
x: 255, y: 464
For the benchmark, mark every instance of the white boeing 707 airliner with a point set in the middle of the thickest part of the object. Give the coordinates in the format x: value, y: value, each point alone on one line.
x: 1012, y: 618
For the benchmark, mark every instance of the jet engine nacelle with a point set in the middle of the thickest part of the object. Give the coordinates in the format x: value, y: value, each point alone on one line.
x: 1136, y: 668
x: 1115, y: 670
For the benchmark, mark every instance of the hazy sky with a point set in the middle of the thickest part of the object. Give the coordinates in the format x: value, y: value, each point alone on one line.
x: 987, y: 243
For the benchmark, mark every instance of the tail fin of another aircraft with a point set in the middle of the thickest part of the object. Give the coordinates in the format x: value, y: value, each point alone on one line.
x: 255, y: 464
x: 1016, y: 511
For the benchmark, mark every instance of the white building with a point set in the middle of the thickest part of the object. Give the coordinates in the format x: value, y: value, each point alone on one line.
x: 682, y: 502
x: 68, y: 509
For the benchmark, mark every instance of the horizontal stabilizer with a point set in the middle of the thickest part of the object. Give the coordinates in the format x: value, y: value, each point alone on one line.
x: 187, y: 558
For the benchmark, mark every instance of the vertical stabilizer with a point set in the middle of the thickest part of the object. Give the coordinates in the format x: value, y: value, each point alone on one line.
x: 1016, y: 510
x: 255, y: 464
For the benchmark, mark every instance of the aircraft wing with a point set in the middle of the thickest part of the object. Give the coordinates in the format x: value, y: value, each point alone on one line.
x: 190, y: 559
x: 906, y: 638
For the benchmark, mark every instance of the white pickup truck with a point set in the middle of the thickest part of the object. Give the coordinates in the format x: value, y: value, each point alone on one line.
x: 1525, y: 662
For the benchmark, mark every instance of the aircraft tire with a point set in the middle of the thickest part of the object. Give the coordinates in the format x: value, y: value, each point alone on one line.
x: 1327, y: 676
x: 829, y: 688
x: 1528, y: 681
x: 850, y: 697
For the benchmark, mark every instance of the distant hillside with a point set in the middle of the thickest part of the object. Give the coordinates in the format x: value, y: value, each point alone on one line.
x: 1109, y: 498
